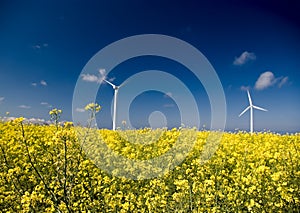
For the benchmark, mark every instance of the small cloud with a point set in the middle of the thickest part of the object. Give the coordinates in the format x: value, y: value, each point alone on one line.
x: 268, y: 79
x: 43, y: 83
x: 80, y: 110
x: 283, y: 81
x: 90, y: 78
x: 2, y: 99
x: 28, y: 120
x: 97, y: 79
x: 168, y: 105
x: 245, y: 88
x: 112, y: 79
x: 265, y: 80
x: 36, y: 47
x: 36, y: 121
x: 103, y: 76
x: 168, y: 95
x: 40, y: 46
x: 244, y: 58
x: 24, y: 107
x: 46, y: 104
x: 102, y: 72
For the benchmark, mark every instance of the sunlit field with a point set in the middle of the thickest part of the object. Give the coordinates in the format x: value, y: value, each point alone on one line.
x: 44, y: 169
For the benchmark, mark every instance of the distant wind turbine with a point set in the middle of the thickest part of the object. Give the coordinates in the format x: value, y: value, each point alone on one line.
x: 116, y: 89
x: 251, y: 106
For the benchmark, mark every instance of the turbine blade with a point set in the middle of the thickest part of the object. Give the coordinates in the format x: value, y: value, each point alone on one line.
x: 244, y: 111
x: 259, y: 108
x: 249, y: 98
x: 109, y: 83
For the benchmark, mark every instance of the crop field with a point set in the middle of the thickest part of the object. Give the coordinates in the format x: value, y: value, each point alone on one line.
x: 45, y: 168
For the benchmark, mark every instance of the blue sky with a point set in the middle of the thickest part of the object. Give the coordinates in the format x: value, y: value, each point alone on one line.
x: 44, y: 45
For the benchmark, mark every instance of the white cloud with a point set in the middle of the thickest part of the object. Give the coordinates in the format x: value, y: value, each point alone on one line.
x: 265, y: 80
x: 40, y: 46
x: 37, y: 47
x: 44, y: 83
x: 46, y: 104
x: 28, y: 120
x: 97, y: 79
x: 244, y: 58
x: 90, y: 78
x: 102, y: 72
x: 111, y: 79
x: 2, y: 99
x: 24, y: 106
x: 283, y: 81
x: 268, y: 79
x: 36, y: 121
x: 80, y: 110
x: 245, y: 88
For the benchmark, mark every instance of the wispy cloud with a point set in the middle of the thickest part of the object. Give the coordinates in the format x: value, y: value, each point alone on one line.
x: 80, y: 110
x: 283, y: 81
x: 244, y: 58
x: 2, y: 99
x: 46, y: 104
x: 102, y: 72
x: 24, y: 106
x: 43, y: 83
x: 245, y: 88
x: 268, y: 79
x: 39, y: 46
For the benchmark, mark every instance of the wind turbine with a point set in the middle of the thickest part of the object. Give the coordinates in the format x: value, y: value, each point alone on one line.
x: 251, y: 106
x: 116, y: 89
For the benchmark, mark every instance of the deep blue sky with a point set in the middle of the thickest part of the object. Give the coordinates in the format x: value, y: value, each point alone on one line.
x: 253, y: 44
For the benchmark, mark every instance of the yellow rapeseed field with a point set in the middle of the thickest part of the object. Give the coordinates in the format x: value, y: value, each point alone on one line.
x: 44, y: 168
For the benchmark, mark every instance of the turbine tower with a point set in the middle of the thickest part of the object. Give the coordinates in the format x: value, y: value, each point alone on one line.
x: 116, y: 89
x: 251, y: 106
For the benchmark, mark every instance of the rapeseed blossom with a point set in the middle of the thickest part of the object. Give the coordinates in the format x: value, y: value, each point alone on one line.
x: 44, y: 169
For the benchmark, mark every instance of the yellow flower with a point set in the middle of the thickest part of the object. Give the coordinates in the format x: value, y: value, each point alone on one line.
x: 93, y: 107
x: 55, y: 112
x: 18, y: 120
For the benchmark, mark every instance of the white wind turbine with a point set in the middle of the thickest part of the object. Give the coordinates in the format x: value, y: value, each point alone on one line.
x: 251, y: 106
x: 116, y: 89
